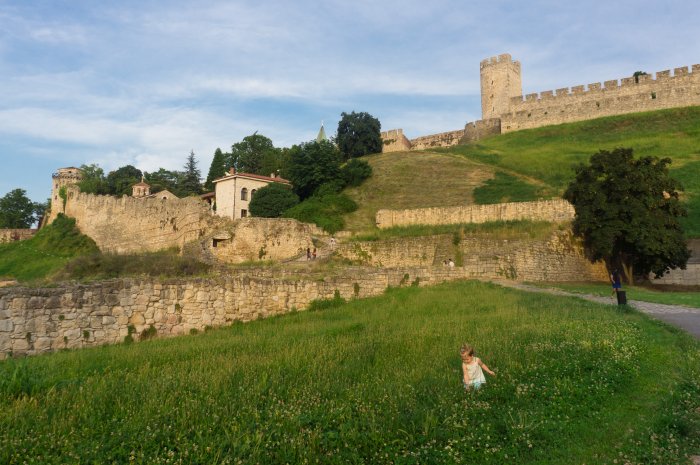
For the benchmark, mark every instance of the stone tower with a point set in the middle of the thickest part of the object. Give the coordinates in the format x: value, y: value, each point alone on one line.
x: 500, y: 80
x: 63, y: 177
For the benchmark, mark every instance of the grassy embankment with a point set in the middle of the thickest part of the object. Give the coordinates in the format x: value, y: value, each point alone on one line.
x: 47, y: 252
x: 371, y: 381
x: 60, y: 252
x: 527, y: 165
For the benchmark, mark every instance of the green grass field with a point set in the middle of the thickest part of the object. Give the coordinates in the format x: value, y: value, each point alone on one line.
x: 372, y: 381
x: 689, y: 299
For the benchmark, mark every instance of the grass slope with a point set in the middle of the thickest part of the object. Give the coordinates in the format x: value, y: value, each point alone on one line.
x: 372, y: 381
x: 689, y: 299
x: 45, y: 253
x: 549, y: 154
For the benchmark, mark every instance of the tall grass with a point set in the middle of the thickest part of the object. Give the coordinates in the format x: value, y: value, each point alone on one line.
x: 371, y: 381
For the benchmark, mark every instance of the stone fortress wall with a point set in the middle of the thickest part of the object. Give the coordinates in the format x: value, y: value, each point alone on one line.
x: 11, y: 235
x: 557, y: 210
x: 613, y: 97
x: 36, y: 320
x: 132, y: 225
x: 504, y: 108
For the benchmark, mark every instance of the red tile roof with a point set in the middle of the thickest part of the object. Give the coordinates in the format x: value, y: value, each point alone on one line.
x: 253, y: 176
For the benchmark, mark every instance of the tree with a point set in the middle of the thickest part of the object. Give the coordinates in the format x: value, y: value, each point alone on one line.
x: 627, y: 212
x: 254, y: 154
x: 216, y: 170
x: 17, y: 211
x: 191, y: 184
x: 272, y: 200
x: 355, y: 172
x: 165, y: 179
x: 312, y: 164
x: 358, y: 134
x: 94, y: 180
x: 119, y: 182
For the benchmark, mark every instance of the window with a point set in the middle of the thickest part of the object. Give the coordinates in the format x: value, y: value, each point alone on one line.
x: 244, y: 213
x: 244, y: 194
x: 252, y: 193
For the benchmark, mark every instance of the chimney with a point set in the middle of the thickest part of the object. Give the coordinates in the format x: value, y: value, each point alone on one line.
x: 232, y: 170
x: 272, y: 175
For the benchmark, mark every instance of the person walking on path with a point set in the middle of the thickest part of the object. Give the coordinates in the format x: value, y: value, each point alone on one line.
x: 308, y: 253
x: 615, y: 280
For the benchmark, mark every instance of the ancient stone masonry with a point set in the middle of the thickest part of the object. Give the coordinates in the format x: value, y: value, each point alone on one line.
x: 35, y: 320
x: 560, y: 257
x: 629, y: 95
x: 130, y: 225
x: 504, y: 109
x: 395, y: 141
x: 688, y: 277
x: 11, y: 235
x: 543, y: 210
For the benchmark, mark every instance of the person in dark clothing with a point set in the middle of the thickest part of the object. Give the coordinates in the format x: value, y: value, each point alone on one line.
x: 615, y: 280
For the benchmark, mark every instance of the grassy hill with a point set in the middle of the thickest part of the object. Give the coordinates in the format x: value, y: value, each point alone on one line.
x: 535, y: 163
x: 371, y: 381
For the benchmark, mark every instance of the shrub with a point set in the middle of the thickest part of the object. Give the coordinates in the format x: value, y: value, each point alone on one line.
x: 272, y: 200
x: 325, y: 210
x: 355, y: 172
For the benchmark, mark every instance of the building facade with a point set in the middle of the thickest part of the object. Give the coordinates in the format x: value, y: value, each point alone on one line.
x: 234, y: 191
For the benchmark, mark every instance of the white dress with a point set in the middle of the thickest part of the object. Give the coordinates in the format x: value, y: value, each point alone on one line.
x: 476, y: 374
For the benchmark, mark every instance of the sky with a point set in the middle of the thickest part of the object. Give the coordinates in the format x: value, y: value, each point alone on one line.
x: 144, y: 82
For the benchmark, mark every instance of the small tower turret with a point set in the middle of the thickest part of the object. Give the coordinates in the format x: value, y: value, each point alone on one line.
x: 500, y: 80
x: 64, y: 177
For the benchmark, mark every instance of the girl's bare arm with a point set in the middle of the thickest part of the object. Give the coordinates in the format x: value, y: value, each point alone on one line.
x: 486, y: 369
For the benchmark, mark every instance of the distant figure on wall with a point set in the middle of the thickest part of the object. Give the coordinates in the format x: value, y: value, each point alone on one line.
x: 615, y: 280
x: 308, y: 253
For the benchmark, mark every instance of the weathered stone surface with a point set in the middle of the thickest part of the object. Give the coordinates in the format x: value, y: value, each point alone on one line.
x: 6, y: 325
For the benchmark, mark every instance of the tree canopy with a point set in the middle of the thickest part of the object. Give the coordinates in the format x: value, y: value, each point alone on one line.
x: 17, y: 211
x: 312, y: 164
x: 358, y: 134
x: 94, y: 180
x: 217, y: 169
x: 627, y: 212
x: 272, y: 200
x: 255, y: 154
x: 119, y: 182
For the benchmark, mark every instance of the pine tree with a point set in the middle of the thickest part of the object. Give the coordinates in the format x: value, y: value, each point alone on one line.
x: 191, y: 184
x: 216, y: 170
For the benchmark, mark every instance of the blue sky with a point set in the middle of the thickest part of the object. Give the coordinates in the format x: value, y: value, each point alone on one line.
x: 144, y: 82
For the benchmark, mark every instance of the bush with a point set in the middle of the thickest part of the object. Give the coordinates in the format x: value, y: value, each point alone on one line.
x: 325, y: 211
x: 272, y: 200
x: 355, y: 172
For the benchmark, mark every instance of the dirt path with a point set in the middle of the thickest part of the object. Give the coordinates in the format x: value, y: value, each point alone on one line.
x: 685, y: 318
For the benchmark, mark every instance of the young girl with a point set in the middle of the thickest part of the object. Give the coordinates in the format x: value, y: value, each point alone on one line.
x: 471, y: 367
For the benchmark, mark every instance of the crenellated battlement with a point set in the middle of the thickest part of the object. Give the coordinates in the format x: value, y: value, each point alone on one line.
x: 502, y: 58
x: 611, y: 85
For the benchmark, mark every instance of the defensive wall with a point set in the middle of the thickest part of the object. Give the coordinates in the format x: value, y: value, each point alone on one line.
x: 688, y: 277
x: 11, y: 235
x: 505, y: 109
x: 613, y: 97
x: 559, y: 257
x: 556, y: 210
x: 132, y: 225
x: 36, y: 320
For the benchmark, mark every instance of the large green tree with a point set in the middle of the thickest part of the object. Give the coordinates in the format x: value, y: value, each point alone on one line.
x: 358, y: 134
x: 165, y: 179
x: 94, y: 180
x: 191, y: 180
x: 627, y: 212
x: 312, y: 164
x: 119, y: 181
x: 272, y: 200
x: 255, y: 154
x: 17, y: 211
x: 216, y: 170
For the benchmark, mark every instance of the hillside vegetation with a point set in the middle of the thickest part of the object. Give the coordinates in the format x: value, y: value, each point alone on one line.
x: 371, y: 381
x: 527, y: 165
x: 45, y: 253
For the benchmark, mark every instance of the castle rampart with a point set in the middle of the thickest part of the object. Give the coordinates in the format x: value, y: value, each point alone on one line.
x: 130, y: 225
x: 505, y: 109
x: 11, y: 235
x: 613, y: 97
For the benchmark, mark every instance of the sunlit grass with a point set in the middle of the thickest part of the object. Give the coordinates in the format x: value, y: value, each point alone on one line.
x: 371, y: 381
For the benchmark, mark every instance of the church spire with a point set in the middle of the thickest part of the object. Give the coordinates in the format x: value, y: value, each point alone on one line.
x: 321, y: 134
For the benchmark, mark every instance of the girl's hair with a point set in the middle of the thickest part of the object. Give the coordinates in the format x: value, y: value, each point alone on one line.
x: 466, y: 350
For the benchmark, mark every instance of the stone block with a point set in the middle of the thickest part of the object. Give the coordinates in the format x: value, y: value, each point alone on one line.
x: 42, y: 344
x: 6, y: 326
